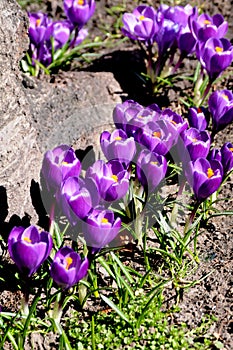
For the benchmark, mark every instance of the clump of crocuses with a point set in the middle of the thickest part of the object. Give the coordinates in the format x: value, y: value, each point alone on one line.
x: 53, y: 43
x: 171, y: 33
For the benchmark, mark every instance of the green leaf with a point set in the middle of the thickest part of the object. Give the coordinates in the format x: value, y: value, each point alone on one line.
x: 115, y: 308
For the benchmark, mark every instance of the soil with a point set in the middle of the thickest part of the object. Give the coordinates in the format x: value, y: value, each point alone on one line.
x: 213, y: 295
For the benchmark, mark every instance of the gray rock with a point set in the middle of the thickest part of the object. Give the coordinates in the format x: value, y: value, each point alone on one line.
x: 17, y: 136
x: 39, y: 114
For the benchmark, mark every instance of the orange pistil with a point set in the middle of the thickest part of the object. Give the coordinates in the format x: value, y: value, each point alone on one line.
x: 231, y: 149
x: 80, y: 2
x: 210, y: 172
x: 157, y: 134
x: 69, y: 261
x: 104, y: 220
x: 218, y: 49
x: 225, y: 97
x: 38, y: 22
x: 114, y: 177
x: 27, y: 239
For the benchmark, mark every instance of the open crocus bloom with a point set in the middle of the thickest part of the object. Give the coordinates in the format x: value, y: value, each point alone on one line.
x: 29, y: 248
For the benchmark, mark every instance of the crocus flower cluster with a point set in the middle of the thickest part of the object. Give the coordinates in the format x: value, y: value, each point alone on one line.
x: 85, y: 199
x: 205, y: 167
x: 29, y: 248
x: 180, y: 28
x: 48, y: 36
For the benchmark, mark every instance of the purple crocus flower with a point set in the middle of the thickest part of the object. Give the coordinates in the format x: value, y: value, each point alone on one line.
x: 198, y: 118
x: 82, y: 34
x: 61, y: 33
x: 204, y: 177
x: 221, y: 109
x: 125, y: 111
x: 141, y: 24
x: 59, y: 164
x: 215, y: 56
x: 196, y: 142
x: 79, y: 11
x: 75, y: 199
x: 215, y: 154
x: 111, y: 179
x: 151, y: 169
x: 158, y: 137
x: 117, y: 145
x: 29, y: 248
x: 100, y: 228
x: 40, y: 28
x: 205, y: 27
x: 67, y: 268
x: 227, y: 157
x: 186, y: 41
x: 175, y: 122
x: 146, y: 116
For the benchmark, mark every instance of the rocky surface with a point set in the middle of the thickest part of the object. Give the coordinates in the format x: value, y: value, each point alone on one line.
x: 40, y: 114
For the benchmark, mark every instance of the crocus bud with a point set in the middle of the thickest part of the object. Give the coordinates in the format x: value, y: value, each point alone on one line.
x: 227, y: 157
x: 198, y: 118
x: 221, y: 109
x: 68, y: 268
x: 74, y: 199
x: 29, y: 248
x: 215, y: 154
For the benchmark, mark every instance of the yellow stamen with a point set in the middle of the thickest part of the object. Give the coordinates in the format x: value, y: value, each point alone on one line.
x: 27, y: 239
x: 225, y: 97
x: 194, y: 140
x: 157, y: 134
x: 154, y: 163
x: 80, y: 2
x: 141, y: 18
x: 69, y: 261
x: 64, y: 163
x: 173, y: 122
x: 218, y: 49
x: 114, y: 177
x: 210, y: 172
x: 206, y: 21
x: 231, y: 149
x: 140, y: 116
x: 104, y: 220
x: 38, y: 22
x: 118, y: 138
